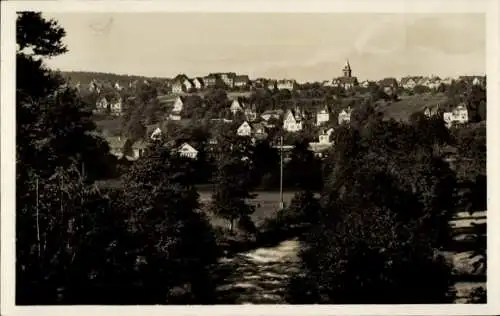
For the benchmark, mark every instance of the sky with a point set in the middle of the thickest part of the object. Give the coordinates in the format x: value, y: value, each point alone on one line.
x: 302, y: 46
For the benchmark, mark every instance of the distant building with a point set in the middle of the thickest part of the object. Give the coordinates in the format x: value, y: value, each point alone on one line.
x: 431, y: 111
x: 198, y: 83
x: 211, y: 80
x: 389, y: 85
x: 244, y: 130
x: 259, y: 131
x: 235, y: 106
x: 286, y: 85
x: 156, y: 134
x: 345, y: 116
x: 228, y: 78
x: 323, y: 116
x: 175, y: 114
x: 251, y: 113
x: 324, y: 136
x: 459, y: 115
x: 188, y: 151
x: 102, y: 105
x: 115, y: 106
x: 271, y: 85
x: 347, y: 81
x: 293, y: 121
x: 241, y: 81
x: 267, y: 115
x: 180, y: 84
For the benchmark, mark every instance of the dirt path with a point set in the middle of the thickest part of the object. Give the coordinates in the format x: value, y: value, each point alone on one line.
x: 259, y: 276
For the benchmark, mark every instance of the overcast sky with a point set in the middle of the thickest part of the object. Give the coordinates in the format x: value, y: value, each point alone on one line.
x: 306, y: 47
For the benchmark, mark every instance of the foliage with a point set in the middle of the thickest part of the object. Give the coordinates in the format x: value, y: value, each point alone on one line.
x: 385, y: 213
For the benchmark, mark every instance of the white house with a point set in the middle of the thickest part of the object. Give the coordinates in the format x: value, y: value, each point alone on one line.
x: 345, y: 116
x: 324, y: 136
x: 459, y: 115
x: 251, y: 113
x: 156, y: 134
x: 235, y: 107
x: 101, y: 105
x: 116, y: 106
x: 118, y: 86
x: 177, y: 109
x: 292, y: 122
x: 244, y: 130
x: 177, y: 87
x: 187, y: 84
x: 286, y: 84
x: 198, y: 83
x: 322, y: 116
x: 186, y: 150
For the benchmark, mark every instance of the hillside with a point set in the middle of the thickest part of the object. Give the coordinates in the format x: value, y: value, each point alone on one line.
x: 85, y: 77
x: 402, y: 109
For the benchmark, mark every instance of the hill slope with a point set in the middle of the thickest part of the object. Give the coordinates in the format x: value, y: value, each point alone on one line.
x: 402, y: 109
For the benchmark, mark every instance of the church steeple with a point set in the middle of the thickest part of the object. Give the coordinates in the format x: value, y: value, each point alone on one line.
x: 347, y: 69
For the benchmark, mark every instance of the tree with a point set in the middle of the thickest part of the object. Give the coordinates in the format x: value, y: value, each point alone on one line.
x: 385, y: 214
x: 57, y: 208
x: 303, y: 171
x: 233, y: 181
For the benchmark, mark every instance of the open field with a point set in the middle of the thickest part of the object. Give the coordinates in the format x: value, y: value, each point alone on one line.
x: 402, y: 109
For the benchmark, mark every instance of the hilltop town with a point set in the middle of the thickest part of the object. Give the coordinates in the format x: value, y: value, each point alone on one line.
x: 262, y: 107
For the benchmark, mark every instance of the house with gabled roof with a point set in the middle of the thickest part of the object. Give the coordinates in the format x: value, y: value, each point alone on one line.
x: 115, y: 105
x: 177, y: 108
x: 259, y: 131
x: 345, y: 116
x: 228, y: 78
x: 236, y: 106
x: 251, y: 113
x: 323, y: 115
x: 198, y: 83
x: 293, y: 121
x: 187, y: 151
x: 102, y: 105
x: 244, y: 130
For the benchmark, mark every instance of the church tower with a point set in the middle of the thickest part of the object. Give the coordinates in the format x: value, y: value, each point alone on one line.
x: 347, y: 69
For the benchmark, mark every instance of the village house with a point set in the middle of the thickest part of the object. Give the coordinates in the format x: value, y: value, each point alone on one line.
x: 431, y: 111
x: 197, y: 83
x: 101, y: 105
x: 323, y: 116
x: 211, y: 80
x: 228, y: 78
x: 244, y: 130
x: 286, y: 84
x: 327, y: 83
x: 115, y: 106
x: 459, y: 115
x: 267, y: 115
x: 180, y: 84
x: 324, y: 136
x: 241, y: 81
x: 293, y: 121
x: 410, y: 82
x: 345, y: 116
x: 94, y: 86
x: 389, y: 85
x: 365, y: 83
x: 432, y: 83
x: 236, y: 106
x: 251, y: 113
x: 347, y: 81
x: 118, y: 86
x: 175, y: 114
x: 187, y: 151
x: 187, y: 84
x: 259, y: 131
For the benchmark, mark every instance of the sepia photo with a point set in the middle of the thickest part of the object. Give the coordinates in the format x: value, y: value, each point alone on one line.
x: 233, y: 158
